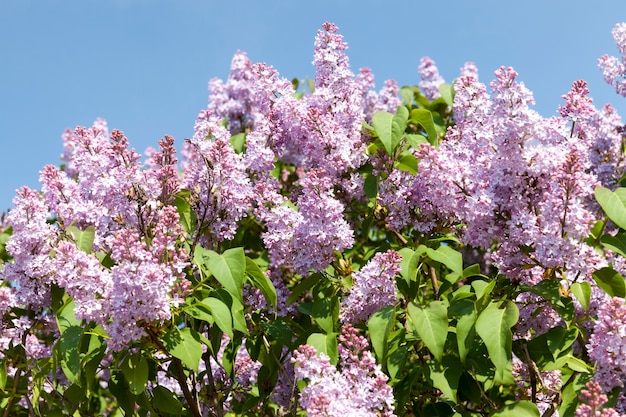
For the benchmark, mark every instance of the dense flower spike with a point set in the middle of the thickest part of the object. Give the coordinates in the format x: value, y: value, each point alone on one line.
x: 613, y: 68
x: 431, y: 80
x: 215, y: 175
x: 593, y: 403
x: 31, y: 272
x: 373, y: 287
x: 607, y: 346
x: 358, y: 389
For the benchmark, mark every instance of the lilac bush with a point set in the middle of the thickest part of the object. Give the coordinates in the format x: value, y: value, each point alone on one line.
x: 321, y: 248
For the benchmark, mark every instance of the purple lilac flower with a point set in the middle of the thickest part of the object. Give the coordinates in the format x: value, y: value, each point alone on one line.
x: 512, y: 177
x: 593, y: 400
x: 373, y: 288
x: 216, y: 176
x: 31, y: 272
x: 308, y: 238
x: 431, y: 80
x: 323, y: 129
x: 613, y: 68
x: 357, y: 388
x: 607, y: 344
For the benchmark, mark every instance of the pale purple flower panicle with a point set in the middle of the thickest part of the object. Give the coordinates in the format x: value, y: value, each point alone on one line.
x: 323, y: 129
x: 32, y: 270
x: 307, y: 239
x: 106, y: 191
x: 430, y: 78
x: 607, y: 344
x: 373, y: 288
x: 593, y: 401
x: 613, y: 68
x: 386, y: 99
x: 509, y: 175
x: 469, y: 69
x: 216, y: 176
x: 357, y: 388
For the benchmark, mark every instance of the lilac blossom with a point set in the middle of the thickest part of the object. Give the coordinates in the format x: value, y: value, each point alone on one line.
x: 215, y: 174
x: 431, y: 80
x: 386, y: 99
x: 357, y: 388
x: 373, y: 287
x: 613, y: 68
x: 509, y: 175
x: 30, y: 274
x: 607, y: 344
x: 323, y: 129
x: 593, y: 401
x: 307, y: 238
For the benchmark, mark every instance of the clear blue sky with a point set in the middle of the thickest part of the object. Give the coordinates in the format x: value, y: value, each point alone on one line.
x: 144, y: 65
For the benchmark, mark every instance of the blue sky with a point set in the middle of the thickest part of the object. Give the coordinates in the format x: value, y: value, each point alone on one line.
x: 144, y: 65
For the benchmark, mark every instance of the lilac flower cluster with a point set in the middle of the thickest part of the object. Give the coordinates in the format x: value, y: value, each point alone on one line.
x: 613, y: 68
x: 373, y: 287
x: 607, y: 344
x: 593, y: 401
x: 216, y: 176
x: 512, y: 177
x: 358, y: 388
x: 103, y: 190
x: 430, y: 78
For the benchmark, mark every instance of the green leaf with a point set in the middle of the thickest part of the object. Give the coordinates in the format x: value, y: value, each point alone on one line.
x: 135, y: 370
x: 229, y: 269
x: 447, y: 93
x: 424, y: 118
x: 166, y: 401
x: 238, y: 141
x: 304, y: 285
x: 65, y: 316
x: 69, y: 343
x: 494, y: 328
x: 199, y: 311
x: 407, y: 95
x: 610, y: 281
x: 390, y: 128
x: 407, y: 162
x: 447, y: 256
x: 184, y: 210
x: 439, y: 409
x: 380, y: 325
x: 3, y: 375
x: 577, y: 365
x: 582, y: 292
x: 559, y: 339
x: 615, y: 243
x: 613, y: 204
x: 221, y: 314
x: 185, y: 345
x: 262, y: 282
x: 522, y: 408
x: 83, y: 238
x: 431, y: 325
x: 236, y: 309
x: 326, y: 343
x: 370, y: 186
x: 415, y: 139
x: 465, y: 314
x: 445, y: 375
x: 322, y: 311
x: 410, y: 261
